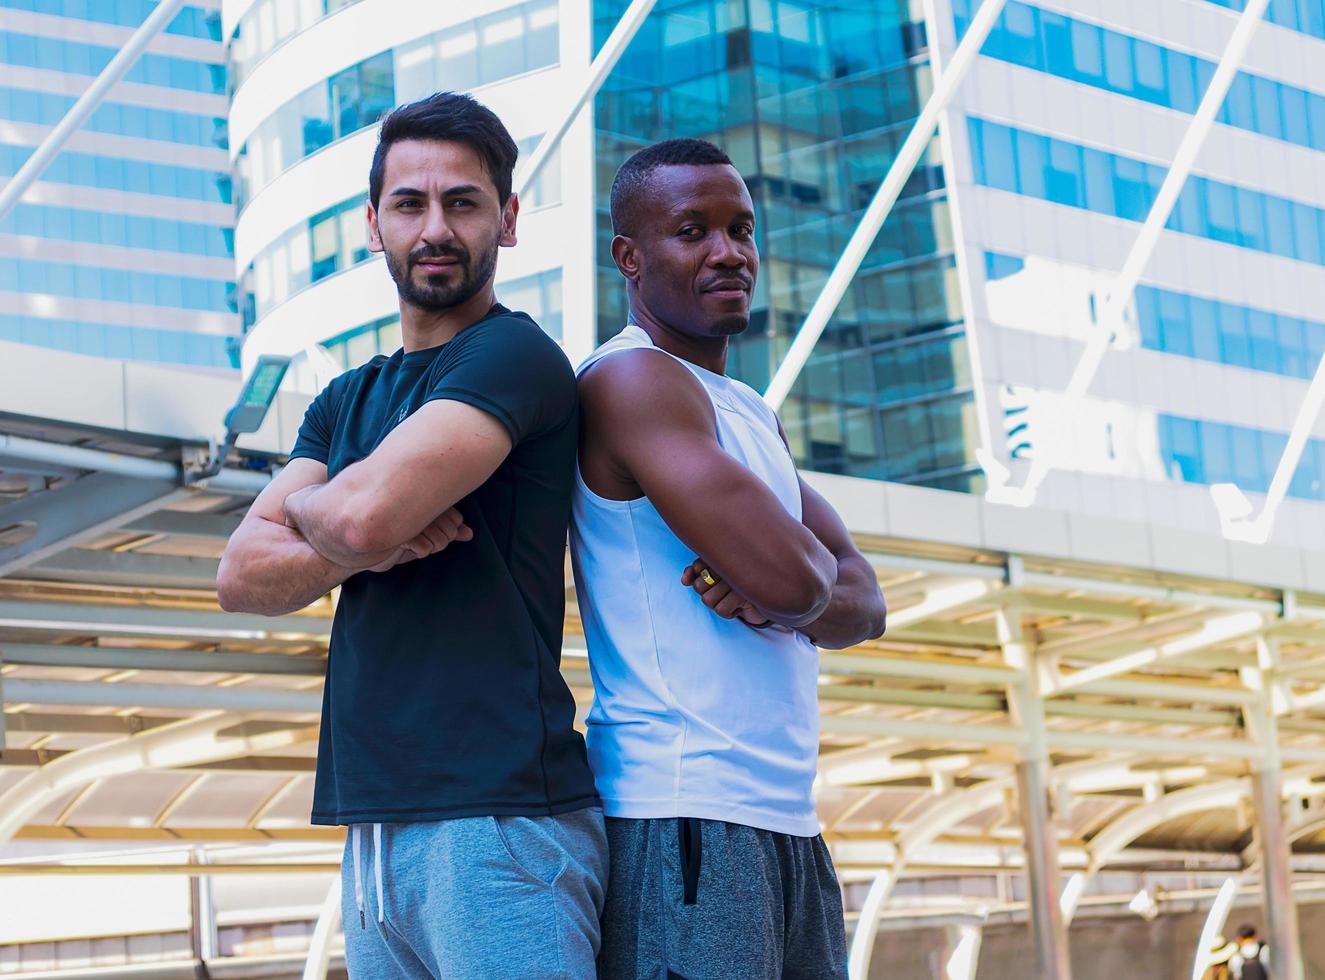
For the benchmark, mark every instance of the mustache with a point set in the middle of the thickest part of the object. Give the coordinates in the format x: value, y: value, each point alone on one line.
x: 438, y: 252
x: 728, y: 282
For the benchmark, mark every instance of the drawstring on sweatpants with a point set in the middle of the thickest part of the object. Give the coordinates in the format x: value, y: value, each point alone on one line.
x: 356, y: 844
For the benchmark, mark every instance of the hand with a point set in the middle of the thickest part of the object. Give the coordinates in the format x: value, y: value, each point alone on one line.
x: 448, y: 526
x: 719, y: 596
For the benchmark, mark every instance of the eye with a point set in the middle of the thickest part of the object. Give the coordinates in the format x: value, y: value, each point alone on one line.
x: 462, y: 202
x: 692, y: 232
x: 407, y: 204
x: 743, y: 231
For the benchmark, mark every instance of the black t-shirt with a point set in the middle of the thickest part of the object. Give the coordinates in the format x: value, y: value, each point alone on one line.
x: 443, y: 695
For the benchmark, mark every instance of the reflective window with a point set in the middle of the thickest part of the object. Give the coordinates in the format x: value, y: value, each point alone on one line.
x: 1054, y: 170
x: 269, y: 22
x: 115, y: 285
x: 80, y: 58
x: 1090, y: 55
x: 120, y: 230
x: 474, y: 53
x: 48, y: 108
x: 116, y: 340
x: 120, y: 174
x: 1201, y: 451
x: 1307, y: 16
x: 189, y: 22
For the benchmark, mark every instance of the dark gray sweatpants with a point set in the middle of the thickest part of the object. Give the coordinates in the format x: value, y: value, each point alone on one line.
x: 692, y: 899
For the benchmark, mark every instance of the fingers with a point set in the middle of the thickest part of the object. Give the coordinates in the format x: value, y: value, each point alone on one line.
x: 692, y: 572
x: 729, y: 605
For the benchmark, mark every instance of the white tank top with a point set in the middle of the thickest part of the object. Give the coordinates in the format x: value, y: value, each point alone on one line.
x: 693, y: 715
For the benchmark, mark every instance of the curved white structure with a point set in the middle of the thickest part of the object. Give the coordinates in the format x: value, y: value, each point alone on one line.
x: 305, y: 275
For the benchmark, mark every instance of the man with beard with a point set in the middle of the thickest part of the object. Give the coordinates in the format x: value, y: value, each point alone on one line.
x: 707, y: 572
x: 433, y: 486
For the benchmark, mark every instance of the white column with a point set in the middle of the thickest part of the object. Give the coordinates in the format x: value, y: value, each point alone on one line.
x: 1048, y: 930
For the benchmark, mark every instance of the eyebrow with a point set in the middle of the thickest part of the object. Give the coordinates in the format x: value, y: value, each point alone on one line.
x: 693, y: 213
x: 449, y: 192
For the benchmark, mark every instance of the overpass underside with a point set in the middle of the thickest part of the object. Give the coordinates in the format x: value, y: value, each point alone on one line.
x: 1043, y: 732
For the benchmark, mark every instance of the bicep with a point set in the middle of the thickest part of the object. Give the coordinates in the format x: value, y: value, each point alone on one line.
x: 818, y: 515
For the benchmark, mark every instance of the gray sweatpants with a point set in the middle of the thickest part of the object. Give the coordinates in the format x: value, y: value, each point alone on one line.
x: 475, y: 898
x: 692, y: 899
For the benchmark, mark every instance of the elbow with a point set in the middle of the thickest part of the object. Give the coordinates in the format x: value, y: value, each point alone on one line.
x: 229, y: 594
x: 805, y: 596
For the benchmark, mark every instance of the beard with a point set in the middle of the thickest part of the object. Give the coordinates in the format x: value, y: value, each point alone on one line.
x: 436, y: 293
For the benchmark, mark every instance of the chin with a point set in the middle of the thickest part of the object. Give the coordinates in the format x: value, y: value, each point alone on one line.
x: 730, y: 326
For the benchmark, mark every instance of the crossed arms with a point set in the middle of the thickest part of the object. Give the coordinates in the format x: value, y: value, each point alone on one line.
x: 304, y: 535
x: 649, y: 427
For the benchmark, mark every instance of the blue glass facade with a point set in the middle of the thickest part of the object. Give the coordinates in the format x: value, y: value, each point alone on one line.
x: 189, y: 22
x: 80, y: 58
x: 114, y: 173
x: 1090, y: 55
x: 115, y: 285
x: 1201, y: 451
x: 127, y: 343
x: 1307, y: 16
x: 108, y: 195
x: 115, y: 118
x: 1081, y: 177
x: 811, y: 99
x: 1209, y: 330
x: 128, y: 230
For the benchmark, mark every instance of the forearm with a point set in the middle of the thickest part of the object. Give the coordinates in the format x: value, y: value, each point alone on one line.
x: 319, y: 515
x: 271, y: 570
x: 855, y: 612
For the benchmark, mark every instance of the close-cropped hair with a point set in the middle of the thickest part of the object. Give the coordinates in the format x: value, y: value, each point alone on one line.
x: 448, y: 117
x: 631, y: 183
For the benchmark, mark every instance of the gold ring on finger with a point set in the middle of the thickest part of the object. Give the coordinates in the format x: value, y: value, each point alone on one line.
x: 707, y: 576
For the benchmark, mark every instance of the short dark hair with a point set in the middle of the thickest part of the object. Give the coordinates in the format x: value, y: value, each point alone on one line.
x: 1246, y: 931
x: 449, y: 117
x: 633, y: 177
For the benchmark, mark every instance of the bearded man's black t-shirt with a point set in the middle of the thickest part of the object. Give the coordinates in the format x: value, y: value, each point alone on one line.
x: 443, y: 695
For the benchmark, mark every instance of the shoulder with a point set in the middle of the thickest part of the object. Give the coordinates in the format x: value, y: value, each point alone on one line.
x: 646, y: 387
x: 517, y: 340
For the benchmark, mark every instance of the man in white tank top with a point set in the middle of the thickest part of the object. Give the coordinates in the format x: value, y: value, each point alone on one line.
x: 707, y: 572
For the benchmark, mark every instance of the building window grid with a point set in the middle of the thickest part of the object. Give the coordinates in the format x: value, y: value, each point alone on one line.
x: 1017, y: 160
x: 115, y: 118
x: 1204, y: 452
x: 1100, y: 58
x: 85, y: 282
x: 62, y: 223
x: 123, y: 174
x: 81, y: 58
x: 362, y: 94
x: 1304, y: 16
x: 119, y: 341
x: 267, y: 25
x: 189, y: 22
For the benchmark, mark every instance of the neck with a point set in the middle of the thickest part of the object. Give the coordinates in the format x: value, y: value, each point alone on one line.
x: 709, y: 353
x: 421, y: 329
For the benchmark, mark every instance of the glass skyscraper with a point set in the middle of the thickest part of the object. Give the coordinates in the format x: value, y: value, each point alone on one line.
x: 124, y: 247
x: 811, y: 99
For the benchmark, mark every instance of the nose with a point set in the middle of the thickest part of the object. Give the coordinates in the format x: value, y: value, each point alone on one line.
x: 436, y: 230
x: 727, y: 253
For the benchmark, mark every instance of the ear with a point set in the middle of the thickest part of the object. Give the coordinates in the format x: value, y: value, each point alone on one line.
x: 627, y: 258
x: 509, y: 213
x: 374, y: 233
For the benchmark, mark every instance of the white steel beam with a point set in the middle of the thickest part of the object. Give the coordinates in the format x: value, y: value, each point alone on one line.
x: 922, y: 132
x: 1235, y: 510
x: 1138, y: 257
x: 187, y: 742
x: 1216, y: 632
x: 116, y: 69
x: 180, y: 697
x: 141, y: 658
x: 1214, y: 924
x: 603, y: 63
x: 319, y: 949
